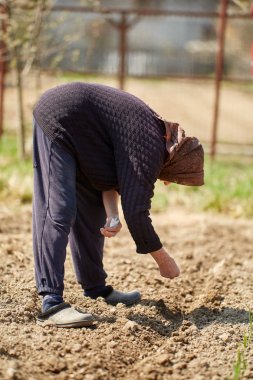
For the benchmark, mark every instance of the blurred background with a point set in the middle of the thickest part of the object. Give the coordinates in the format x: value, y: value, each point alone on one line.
x: 191, y: 61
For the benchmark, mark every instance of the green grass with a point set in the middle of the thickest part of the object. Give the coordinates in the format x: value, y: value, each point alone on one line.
x: 15, y: 174
x: 228, y: 189
x: 240, y: 364
x: 228, y: 184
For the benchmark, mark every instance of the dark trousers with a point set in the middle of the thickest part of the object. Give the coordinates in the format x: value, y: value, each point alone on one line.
x: 65, y: 208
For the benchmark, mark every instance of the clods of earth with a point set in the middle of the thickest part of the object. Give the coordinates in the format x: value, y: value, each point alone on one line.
x: 187, y: 328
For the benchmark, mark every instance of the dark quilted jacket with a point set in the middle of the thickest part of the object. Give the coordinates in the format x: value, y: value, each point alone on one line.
x: 118, y: 144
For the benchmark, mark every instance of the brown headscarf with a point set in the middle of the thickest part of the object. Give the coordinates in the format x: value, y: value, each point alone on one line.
x: 185, y: 161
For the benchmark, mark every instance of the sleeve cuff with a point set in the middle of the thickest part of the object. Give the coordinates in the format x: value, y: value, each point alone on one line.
x: 144, y: 249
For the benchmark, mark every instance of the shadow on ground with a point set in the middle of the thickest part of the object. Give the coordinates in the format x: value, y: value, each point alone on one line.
x: 201, y: 317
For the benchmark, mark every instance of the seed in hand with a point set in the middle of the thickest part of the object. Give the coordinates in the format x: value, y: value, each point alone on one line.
x: 114, y: 221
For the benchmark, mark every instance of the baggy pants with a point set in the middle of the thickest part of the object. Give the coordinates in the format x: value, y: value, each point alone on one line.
x: 65, y: 208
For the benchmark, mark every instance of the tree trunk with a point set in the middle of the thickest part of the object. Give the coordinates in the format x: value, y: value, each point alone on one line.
x: 2, y: 65
x: 21, y: 127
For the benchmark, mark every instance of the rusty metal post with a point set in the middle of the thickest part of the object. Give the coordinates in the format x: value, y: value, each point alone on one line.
x: 251, y: 62
x: 122, y: 51
x: 2, y: 67
x: 122, y: 26
x: 219, y: 72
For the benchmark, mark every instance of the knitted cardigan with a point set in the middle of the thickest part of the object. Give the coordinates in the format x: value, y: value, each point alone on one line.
x: 118, y: 142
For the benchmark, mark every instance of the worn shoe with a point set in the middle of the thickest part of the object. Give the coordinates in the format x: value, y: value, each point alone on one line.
x: 63, y: 315
x: 128, y: 298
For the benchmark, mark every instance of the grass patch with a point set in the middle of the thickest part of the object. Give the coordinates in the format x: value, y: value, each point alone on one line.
x: 241, y: 363
x: 228, y: 189
x: 228, y: 184
x: 15, y: 175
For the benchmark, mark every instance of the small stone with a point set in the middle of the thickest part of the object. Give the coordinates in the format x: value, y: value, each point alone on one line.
x: 56, y: 366
x: 29, y: 306
x: 11, y: 373
x: 192, y: 356
x: 76, y: 347
x: 179, y: 366
x: 120, y: 305
x: 187, y: 323
x: 148, y: 368
x: 224, y: 337
x: 158, y: 280
x: 89, y: 376
x: 163, y: 359
x: 218, y: 267
x: 112, y: 344
x: 12, y: 369
x: 188, y: 298
x: 130, y: 326
x: 192, y: 330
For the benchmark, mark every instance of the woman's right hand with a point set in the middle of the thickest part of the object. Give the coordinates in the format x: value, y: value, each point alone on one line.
x: 112, y: 227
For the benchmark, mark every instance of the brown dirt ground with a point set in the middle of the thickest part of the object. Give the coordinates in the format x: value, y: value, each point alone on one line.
x: 188, y: 328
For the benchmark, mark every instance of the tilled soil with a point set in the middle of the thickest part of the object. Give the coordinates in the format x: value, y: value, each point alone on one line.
x: 188, y: 328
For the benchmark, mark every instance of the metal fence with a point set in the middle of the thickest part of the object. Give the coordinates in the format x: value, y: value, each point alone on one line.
x: 208, y: 40
x: 153, y: 42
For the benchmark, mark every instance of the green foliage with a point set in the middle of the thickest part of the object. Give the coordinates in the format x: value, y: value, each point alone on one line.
x: 23, y: 22
x: 160, y: 202
x: 228, y: 189
x: 15, y: 175
x: 228, y: 184
x: 32, y: 31
x: 240, y: 364
x: 242, y: 4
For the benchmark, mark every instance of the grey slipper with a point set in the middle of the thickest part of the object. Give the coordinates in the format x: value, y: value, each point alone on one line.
x: 128, y: 298
x: 63, y: 315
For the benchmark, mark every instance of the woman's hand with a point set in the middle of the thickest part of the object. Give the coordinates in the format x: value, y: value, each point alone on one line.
x: 112, y: 227
x: 167, y: 265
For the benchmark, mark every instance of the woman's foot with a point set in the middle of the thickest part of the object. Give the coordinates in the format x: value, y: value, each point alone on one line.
x: 63, y: 315
x: 127, y: 298
x: 50, y: 300
x: 113, y: 297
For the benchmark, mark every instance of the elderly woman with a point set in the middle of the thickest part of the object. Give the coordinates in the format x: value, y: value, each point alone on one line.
x: 92, y: 142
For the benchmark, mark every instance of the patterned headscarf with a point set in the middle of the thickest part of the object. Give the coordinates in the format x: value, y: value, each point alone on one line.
x: 185, y: 162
